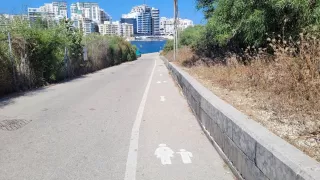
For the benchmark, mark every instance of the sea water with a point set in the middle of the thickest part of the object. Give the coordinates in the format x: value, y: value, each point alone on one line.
x: 149, y: 46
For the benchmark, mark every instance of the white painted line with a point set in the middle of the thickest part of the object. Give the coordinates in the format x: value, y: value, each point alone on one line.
x: 164, y: 81
x: 131, y: 166
x: 164, y: 153
x: 159, y: 82
x: 162, y: 99
x: 160, y: 74
x: 185, y: 156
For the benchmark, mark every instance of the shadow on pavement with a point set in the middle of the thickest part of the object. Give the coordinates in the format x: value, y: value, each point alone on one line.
x: 10, y: 99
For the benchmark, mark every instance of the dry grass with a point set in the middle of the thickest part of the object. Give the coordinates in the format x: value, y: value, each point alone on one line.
x: 282, y: 92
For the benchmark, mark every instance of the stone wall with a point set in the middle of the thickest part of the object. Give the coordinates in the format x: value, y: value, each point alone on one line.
x: 251, y: 151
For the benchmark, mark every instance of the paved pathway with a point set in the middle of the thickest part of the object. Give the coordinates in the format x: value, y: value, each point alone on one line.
x: 122, y: 123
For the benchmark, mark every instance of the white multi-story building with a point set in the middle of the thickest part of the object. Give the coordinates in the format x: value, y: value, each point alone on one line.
x: 85, y: 24
x: 147, y: 20
x: 34, y: 14
x: 155, y: 21
x: 87, y: 10
x: 167, y: 25
x: 116, y: 29
x: 87, y: 16
x: 110, y: 28
x: 127, y: 30
x: 185, y: 23
x: 50, y: 11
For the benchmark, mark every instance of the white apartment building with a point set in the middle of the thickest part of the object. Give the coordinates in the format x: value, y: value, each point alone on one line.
x: 116, y: 29
x: 167, y: 25
x: 87, y: 10
x: 110, y: 28
x: 185, y: 23
x: 50, y: 11
x: 57, y: 10
x: 87, y: 15
x: 86, y: 25
x: 155, y: 13
x: 127, y: 30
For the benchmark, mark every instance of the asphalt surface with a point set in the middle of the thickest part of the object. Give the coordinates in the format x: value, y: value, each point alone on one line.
x: 123, y: 123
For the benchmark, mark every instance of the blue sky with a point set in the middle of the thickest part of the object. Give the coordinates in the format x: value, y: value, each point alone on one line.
x: 115, y: 7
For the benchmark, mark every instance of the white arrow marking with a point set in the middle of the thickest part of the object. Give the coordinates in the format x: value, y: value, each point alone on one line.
x: 162, y: 99
x: 164, y: 153
x: 185, y: 156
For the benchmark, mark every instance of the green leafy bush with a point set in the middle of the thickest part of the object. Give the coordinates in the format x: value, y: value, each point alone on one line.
x: 236, y: 24
x: 191, y: 35
x: 168, y: 46
x: 45, y: 52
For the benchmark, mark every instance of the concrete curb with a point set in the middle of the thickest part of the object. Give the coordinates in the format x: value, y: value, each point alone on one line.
x: 248, y: 148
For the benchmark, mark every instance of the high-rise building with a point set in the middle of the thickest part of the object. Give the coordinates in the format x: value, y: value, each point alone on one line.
x: 82, y: 23
x: 87, y: 26
x: 147, y: 20
x: 155, y: 21
x: 87, y: 16
x: 104, y: 16
x: 87, y: 10
x: 49, y: 11
x: 167, y: 25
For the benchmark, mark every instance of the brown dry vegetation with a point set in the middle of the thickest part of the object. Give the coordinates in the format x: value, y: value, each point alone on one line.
x: 280, y: 91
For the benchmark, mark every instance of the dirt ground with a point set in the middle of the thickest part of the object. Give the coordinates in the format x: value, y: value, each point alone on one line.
x: 299, y: 127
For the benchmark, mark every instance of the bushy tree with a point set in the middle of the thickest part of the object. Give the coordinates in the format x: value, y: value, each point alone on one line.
x: 207, y: 6
x: 191, y: 35
x: 242, y: 23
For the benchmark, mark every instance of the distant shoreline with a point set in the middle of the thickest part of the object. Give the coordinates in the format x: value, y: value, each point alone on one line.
x: 147, y: 40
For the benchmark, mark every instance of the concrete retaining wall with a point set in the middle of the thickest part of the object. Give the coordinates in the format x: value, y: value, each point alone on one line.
x: 253, y: 151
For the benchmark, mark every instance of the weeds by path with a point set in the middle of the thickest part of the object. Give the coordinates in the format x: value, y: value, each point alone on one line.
x: 282, y: 92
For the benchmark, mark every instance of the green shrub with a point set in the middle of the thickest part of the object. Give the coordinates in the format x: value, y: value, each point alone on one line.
x: 191, y: 35
x: 45, y: 52
x: 168, y: 46
x: 237, y: 24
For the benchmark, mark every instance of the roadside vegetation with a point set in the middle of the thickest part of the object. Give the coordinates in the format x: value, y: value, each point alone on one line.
x: 264, y: 58
x: 46, y: 52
